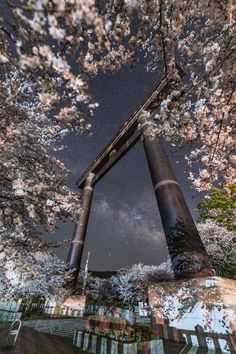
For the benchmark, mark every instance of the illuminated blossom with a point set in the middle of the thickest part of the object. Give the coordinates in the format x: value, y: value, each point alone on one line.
x: 53, y: 48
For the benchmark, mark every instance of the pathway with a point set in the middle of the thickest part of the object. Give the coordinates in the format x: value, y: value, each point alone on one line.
x: 64, y: 327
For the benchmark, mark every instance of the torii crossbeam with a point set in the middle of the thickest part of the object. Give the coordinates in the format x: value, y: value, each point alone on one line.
x: 188, y: 255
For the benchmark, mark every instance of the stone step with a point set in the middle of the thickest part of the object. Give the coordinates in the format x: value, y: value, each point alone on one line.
x: 60, y: 327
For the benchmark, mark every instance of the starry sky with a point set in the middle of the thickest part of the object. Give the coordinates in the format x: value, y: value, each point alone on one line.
x: 124, y: 225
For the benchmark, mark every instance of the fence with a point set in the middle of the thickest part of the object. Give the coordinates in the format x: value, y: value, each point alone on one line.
x: 9, y: 315
x: 10, y: 310
x: 104, y: 345
x: 210, y: 340
x: 62, y: 311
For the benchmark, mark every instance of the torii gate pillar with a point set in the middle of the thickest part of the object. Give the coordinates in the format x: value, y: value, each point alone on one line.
x: 188, y: 255
x: 77, y: 243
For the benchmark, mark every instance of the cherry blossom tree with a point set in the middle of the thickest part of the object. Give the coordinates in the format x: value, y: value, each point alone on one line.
x: 33, y: 181
x: 62, y: 42
x: 49, y: 49
x: 97, y: 289
x: 220, y: 244
x: 130, y: 285
x: 101, y: 289
x: 33, y: 192
x: 28, y: 273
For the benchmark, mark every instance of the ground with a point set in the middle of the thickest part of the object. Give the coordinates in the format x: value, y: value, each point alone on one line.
x: 34, y: 342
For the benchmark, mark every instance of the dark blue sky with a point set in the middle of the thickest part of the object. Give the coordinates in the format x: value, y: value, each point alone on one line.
x: 124, y: 226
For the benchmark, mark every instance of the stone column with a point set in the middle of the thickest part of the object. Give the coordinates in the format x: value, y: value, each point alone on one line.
x: 77, y: 243
x: 187, y: 252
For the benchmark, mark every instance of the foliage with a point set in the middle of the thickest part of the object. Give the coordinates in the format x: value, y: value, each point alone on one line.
x: 2, y: 319
x: 220, y: 244
x: 143, y: 333
x: 220, y: 205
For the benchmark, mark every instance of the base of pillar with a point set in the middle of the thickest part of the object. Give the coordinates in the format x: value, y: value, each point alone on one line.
x: 201, y: 311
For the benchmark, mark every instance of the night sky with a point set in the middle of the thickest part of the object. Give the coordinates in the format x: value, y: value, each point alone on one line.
x: 124, y: 225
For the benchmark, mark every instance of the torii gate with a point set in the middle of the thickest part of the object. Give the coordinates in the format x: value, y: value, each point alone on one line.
x: 187, y: 252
